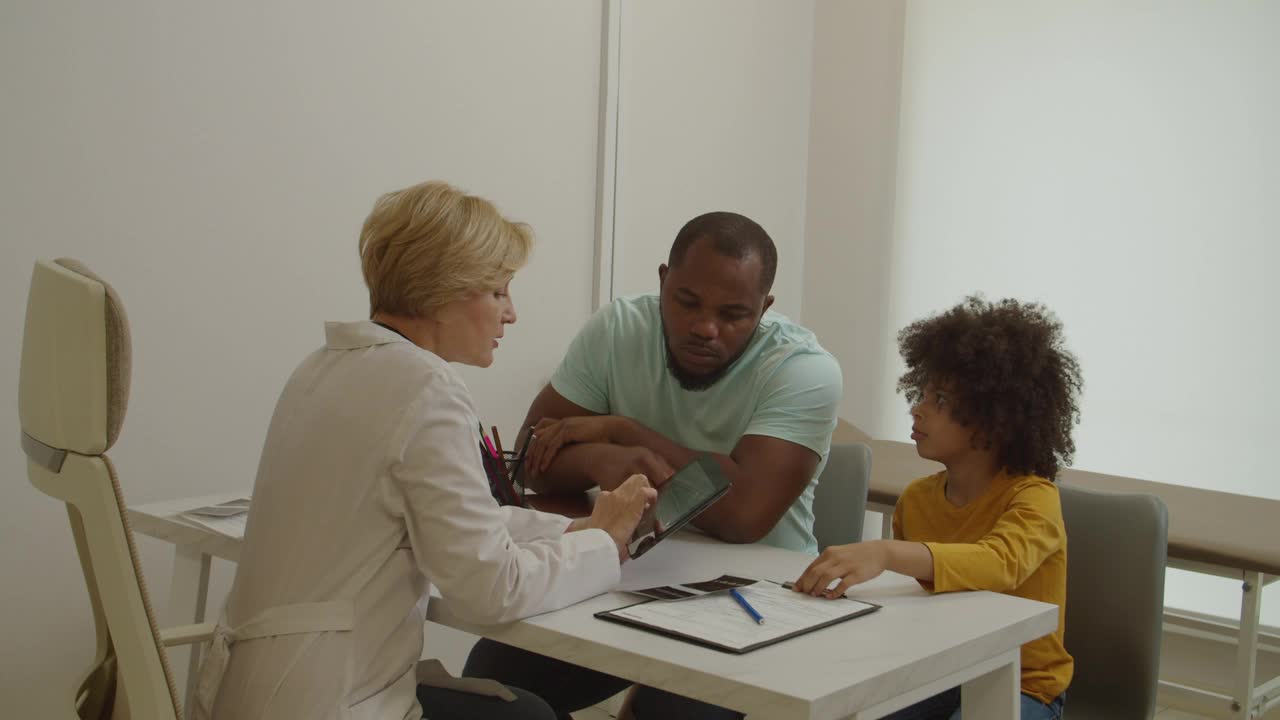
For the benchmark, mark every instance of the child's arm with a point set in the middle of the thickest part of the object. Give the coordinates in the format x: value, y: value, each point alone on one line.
x: 1028, y: 532
x: 860, y: 562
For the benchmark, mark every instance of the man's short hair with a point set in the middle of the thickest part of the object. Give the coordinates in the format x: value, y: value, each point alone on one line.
x: 736, y: 236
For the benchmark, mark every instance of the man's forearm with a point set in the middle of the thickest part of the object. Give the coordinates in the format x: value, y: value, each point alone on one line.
x: 738, y: 517
x: 574, y: 469
x: 625, y: 431
x: 733, y: 519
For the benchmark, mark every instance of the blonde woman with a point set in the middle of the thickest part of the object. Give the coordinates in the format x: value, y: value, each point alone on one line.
x: 371, y: 490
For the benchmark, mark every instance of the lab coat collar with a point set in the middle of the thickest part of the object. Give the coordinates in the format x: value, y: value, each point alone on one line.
x: 352, y: 335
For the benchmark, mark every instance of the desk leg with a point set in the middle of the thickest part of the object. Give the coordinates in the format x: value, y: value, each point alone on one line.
x: 1247, y: 647
x: 994, y: 695
x: 188, y: 592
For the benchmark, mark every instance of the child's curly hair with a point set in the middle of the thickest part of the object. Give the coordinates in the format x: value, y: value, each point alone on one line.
x: 1008, y: 376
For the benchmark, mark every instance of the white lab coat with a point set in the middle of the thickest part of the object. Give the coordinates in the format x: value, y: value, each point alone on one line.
x: 369, y: 491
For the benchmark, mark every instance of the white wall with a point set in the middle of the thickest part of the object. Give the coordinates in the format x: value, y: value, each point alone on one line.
x: 852, y: 166
x: 1119, y: 162
x: 215, y: 163
x: 714, y: 115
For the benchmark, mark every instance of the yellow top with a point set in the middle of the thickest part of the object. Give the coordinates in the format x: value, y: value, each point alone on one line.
x: 1010, y: 540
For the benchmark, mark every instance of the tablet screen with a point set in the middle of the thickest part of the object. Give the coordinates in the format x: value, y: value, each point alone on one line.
x: 690, y: 491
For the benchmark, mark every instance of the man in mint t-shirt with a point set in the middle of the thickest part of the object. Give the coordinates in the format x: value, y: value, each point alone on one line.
x: 704, y: 367
x: 653, y: 381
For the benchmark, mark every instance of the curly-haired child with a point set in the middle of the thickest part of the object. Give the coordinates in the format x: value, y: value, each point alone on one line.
x: 993, y: 394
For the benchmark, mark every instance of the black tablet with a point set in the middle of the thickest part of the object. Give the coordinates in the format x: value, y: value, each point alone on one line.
x: 691, y: 490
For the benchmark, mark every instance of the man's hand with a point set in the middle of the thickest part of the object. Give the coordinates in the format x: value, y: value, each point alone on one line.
x: 550, y: 435
x: 623, y: 462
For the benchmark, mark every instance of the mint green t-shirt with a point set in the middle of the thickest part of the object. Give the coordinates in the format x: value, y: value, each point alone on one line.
x: 785, y: 385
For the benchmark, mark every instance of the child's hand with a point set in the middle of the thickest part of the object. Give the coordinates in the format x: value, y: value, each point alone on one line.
x: 850, y: 564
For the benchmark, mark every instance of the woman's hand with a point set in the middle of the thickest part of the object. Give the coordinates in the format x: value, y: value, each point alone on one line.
x: 617, y: 512
x: 551, y: 435
x: 850, y: 564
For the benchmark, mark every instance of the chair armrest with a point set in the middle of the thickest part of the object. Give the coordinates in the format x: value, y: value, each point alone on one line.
x: 186, y: 634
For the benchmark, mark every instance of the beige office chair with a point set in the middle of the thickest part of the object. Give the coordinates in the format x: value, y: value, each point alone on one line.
x: 1117, y: 546
x: 840, y: 500
x: 73, y: 390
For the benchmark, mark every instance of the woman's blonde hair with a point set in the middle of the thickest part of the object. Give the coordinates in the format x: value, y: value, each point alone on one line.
x: 428, y: 245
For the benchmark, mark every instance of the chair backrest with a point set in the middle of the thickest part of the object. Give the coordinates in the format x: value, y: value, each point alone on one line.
x: 1117, y: 546
x: 840, y: 500
x: 72, y: 393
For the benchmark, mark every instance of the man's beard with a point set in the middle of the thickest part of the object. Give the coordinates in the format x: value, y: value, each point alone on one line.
x: 695, y: 382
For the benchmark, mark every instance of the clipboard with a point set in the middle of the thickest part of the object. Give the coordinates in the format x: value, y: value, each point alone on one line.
x: 715, y: 621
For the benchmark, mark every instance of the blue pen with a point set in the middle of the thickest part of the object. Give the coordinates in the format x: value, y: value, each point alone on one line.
x: 747, y: 606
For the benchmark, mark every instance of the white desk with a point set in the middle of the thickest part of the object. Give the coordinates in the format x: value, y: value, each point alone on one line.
x: 917, y: 645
